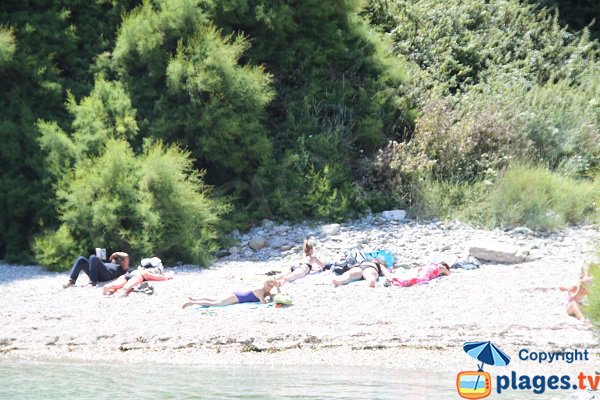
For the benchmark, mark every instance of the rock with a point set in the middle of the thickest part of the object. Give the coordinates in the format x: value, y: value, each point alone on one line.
x: 394, y: 215
x: 496, y: 251
x: 286, y: 248
x: 222, y: 253
x: 521, y: 231
x: 281, y: 228
x: 277, y: 242
x: 257, y: 242
x: 267, y: 223
x: 248, y: 253
x: 331, y: 229
x: 233, y: 250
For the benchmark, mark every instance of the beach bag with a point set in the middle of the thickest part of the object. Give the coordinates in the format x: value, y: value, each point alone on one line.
x: 150, y: 263
x: 385, y: 255
x: 283, y: 299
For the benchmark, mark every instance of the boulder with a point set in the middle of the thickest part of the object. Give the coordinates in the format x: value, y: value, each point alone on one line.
x: 393, y: 215
x: 331, y: 229
x: 257, y: 242
x: 499, y: 252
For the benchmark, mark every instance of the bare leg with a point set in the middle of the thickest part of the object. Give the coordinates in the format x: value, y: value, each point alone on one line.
x: 370, y: 275
x: 299, y: 272
x: 223, y: 301
x: 353, y: 274
x: 116, y: 285
x: 574, y: 310
x: 133, y: 281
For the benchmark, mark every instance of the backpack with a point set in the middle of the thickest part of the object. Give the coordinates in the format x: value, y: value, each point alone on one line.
x: 385, y: 255
x: 353, y: 257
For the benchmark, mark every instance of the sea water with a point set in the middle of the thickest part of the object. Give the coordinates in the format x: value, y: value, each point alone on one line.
x: 23, y: 380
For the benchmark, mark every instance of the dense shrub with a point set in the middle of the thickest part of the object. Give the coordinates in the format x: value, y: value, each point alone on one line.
x: 189, y: 87
x: 109, y: 195
x: 46, y: 49
x: 448, y: 145
x: 541, y: 199
x: 464, y: 43
x: 7, y: 45
x: 502, y: 65
x: 339, y: 95
x: 152, y: 204
x: 593, y: 308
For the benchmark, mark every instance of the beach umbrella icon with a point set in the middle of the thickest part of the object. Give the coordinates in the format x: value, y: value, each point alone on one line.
x: 487, y: 353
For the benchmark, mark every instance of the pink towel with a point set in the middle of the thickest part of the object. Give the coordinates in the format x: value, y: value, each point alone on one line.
x: 419, y: 275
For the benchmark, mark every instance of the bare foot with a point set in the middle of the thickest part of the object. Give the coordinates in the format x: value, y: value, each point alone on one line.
x: 189, y: 304
x: 336, y: 283
x: 67, y: 284
x: 106, y: 291
x: 122, y: 292
x: 372, y: 283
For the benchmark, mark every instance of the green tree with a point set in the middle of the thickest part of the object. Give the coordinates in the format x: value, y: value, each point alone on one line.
x: 145, y: 203
x: 46, y: 49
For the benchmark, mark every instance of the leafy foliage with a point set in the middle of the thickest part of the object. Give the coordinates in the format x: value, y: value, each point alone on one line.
x: 540, y: 199
x: 46, y: 49
x: 593, y: 308
x: 292, y: 110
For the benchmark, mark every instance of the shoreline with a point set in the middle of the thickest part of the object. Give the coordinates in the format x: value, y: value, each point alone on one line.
x: 515, y: 306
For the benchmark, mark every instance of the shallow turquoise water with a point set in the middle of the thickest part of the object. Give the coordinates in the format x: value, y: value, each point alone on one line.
x: 97, y: 381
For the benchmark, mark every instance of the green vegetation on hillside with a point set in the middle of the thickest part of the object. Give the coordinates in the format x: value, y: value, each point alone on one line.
x: 209, y: 114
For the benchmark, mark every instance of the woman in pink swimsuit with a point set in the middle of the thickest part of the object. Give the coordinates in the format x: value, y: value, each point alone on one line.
x: 422, y: 274
x: 576, y: 295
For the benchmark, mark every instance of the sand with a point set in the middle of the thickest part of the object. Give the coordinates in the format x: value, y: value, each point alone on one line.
x: 516, y: 306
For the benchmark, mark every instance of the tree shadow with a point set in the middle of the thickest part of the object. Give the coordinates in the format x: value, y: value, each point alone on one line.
x: 577, y: 14
x: 13, y: 273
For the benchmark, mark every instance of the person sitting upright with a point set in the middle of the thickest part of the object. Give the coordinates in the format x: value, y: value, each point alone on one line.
x: 97, y: 270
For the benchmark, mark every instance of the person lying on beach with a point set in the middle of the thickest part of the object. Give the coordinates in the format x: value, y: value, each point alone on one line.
x: 257, y: 295
x: 422, y: 274
x: 126, y: 283
x: 369, y: 270
x: 576, y: 295
x: 310, y: 262
x: 97, y: 270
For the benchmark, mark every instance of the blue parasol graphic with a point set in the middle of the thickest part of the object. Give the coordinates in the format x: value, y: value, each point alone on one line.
x: 487, y: 353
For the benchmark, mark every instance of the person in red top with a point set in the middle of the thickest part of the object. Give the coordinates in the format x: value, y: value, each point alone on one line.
x: 422, y: 274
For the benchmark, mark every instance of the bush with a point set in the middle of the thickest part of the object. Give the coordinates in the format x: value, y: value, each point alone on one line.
x: 449, y: 145
x: 153, y: 204
x: 55, y: 249
x: 447, y: 200
x: 593, y: 308
x: 507, y: 59
x: 540, y: 199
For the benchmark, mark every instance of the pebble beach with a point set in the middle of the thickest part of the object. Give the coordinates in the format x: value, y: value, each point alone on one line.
x: 515, y: 305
